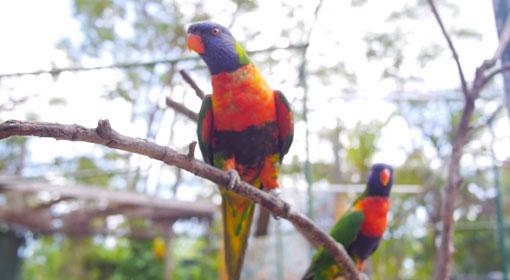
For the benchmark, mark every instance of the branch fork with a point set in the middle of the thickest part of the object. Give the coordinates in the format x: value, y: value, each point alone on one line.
x: 471, y: 93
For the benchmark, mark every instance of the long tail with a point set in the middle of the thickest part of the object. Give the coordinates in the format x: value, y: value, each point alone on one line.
x: 237, y: 214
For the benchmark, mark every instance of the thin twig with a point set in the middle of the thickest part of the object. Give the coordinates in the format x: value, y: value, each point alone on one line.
x: 127, y: 65
x: 178, y: 107
x: 105, y: 135
x: 450, y: 45
x: 192, y: 83
x: 58, y: 71
x: 495, y: 72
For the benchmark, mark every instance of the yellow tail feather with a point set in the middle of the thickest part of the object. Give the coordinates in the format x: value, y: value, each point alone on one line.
x: 237, y: 214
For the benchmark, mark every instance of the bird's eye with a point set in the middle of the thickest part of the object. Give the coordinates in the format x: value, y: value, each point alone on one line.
x: 215, y: 31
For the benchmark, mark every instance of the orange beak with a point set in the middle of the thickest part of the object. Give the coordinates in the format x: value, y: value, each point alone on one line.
x: 384, y: 176
x: 195, y: 43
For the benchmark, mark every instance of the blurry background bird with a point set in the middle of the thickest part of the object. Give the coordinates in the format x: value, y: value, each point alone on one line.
x: 360, y: 230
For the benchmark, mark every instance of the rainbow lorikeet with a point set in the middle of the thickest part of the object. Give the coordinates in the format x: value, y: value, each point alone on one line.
x: 360, y: 230
x: 244, y: 127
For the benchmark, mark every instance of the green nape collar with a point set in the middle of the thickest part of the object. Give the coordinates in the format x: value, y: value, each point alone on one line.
x: 243, y: 57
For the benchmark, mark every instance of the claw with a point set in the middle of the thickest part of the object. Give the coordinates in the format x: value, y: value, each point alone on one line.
x: 234, y: 179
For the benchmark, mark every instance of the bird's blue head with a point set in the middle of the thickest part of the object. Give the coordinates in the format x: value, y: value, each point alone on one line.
x: 380, y: 180
x: 216, y: 46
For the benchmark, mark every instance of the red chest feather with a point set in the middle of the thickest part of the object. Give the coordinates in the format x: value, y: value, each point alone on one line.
x: 241, y: 99
x: 375, y: 210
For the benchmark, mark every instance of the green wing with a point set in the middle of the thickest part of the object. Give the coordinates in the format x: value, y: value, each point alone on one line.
x: 344, y: 232
x: 347, y: 228
x: 205, y: 128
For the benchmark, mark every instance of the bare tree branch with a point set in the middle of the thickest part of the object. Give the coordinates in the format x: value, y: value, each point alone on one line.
x: 105, y: 135
x: 450, y: 45
x: 495, y: 72
x: 471, y: 93
x: 192, y: 83
x: 445, y: 250
x: 178, y: 107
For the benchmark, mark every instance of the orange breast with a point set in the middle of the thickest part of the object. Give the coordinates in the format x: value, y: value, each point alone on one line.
x: 375, y: 210
x: 241, y: 99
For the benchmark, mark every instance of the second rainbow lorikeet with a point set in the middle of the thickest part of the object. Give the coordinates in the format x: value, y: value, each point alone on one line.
x: 244, y: 127
x: 360, y: 230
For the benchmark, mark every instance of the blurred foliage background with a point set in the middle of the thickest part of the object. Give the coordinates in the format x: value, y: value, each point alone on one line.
x: 367, y: 81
